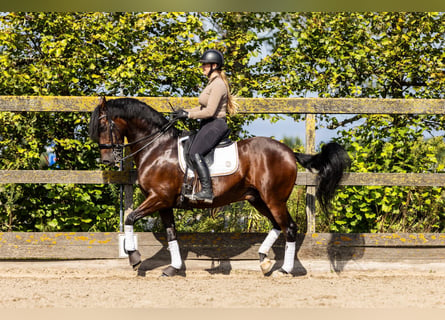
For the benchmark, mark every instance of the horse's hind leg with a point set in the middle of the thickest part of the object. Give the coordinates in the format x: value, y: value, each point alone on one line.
x: 281, y: 220
x: 266, y: 264
x: 290, y: 232
x: 289, y: 253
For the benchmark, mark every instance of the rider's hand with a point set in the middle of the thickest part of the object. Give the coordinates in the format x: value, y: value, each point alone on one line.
x: 180, y: 114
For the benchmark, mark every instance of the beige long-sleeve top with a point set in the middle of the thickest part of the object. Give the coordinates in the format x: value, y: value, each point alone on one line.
x: 212, y: 100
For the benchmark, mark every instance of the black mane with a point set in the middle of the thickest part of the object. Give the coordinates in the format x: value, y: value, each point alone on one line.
x: 126, y: 108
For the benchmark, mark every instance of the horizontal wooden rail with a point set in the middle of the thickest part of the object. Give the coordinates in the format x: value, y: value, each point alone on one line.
x: 130, y: 177
x: 380, y: 179
x: 232, y: 246
x: 246, y: 105
x: 395, y: 179
x: 67, y: 176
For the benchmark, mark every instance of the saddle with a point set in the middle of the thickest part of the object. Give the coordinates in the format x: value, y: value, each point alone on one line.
x: 221, y: 160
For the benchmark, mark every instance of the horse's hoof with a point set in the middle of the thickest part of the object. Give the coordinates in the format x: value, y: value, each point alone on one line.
x: 170, y: 272
x: 281, y: 273
x: 137, y: 265
x: 266, y: 265
x: 134, y: 257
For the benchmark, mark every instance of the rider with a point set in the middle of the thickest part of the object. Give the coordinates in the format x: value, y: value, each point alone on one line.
x: 215, y: 101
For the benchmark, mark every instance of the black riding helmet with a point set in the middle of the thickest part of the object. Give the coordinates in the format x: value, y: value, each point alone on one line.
x: 213, y: 56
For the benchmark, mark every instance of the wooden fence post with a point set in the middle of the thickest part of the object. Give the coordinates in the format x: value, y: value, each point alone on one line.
x: 128, y: 189
x: 310, y: 190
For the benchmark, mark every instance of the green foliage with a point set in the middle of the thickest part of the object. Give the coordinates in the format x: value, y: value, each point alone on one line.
x: 365, y: 55
x: 61, y: 208
x: 389, y: 55
x: 390, y: 209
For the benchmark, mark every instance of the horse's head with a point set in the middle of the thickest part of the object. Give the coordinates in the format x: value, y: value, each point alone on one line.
x: 107, y: 132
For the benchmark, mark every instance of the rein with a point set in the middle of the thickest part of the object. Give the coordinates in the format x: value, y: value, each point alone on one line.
x: 118, y: 148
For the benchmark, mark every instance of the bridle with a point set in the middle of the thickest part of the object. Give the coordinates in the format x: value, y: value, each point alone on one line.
x: 118, y: 148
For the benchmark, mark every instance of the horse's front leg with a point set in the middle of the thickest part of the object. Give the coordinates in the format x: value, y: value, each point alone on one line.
x: 151, y: 204
x: 173, y: 246
x: 134, y: 255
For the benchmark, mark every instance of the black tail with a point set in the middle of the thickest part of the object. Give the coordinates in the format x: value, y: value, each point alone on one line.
x: 330, y: 165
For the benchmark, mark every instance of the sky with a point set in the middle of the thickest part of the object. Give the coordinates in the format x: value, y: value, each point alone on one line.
x: 287, y: 128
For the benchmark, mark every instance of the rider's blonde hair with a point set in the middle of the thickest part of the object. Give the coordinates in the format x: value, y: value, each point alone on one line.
x: 232, y: 106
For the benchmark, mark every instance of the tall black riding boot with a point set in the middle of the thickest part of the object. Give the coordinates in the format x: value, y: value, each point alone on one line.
x: 206, y: 193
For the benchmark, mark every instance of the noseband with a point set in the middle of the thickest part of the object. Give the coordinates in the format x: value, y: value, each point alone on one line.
x: 118, y: 148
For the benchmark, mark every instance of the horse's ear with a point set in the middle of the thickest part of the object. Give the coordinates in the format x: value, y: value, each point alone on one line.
x: 102, y: 103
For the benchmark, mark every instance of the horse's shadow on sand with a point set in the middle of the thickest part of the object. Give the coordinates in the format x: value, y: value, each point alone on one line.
x: 220, y: 249
x: 220, y: 258
x: 344, y: 248
x: 220, y: 253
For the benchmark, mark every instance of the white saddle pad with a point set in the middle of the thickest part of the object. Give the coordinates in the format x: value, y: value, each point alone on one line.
x: 225, y: 160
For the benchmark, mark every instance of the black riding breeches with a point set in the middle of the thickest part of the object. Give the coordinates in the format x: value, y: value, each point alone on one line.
x: 210, y: 134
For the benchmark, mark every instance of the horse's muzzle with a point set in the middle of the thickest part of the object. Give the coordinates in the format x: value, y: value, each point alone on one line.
x: 107, y: 162
x: 108, y: 158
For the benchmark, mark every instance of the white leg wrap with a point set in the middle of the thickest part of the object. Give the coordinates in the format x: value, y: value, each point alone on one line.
x: 129, y: 238
x: 289, y: 257
x: 173, y: 247
x: 272, y: 236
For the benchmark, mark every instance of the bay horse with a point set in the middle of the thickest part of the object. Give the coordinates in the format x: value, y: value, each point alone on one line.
x: 265, y: 176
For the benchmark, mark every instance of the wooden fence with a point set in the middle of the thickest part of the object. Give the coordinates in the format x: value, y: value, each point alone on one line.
x: 308, y: 106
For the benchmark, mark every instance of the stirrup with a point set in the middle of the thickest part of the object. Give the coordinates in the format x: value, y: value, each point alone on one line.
x: 197, y: 197
x: 204, y: 199
x: 206, y: 194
